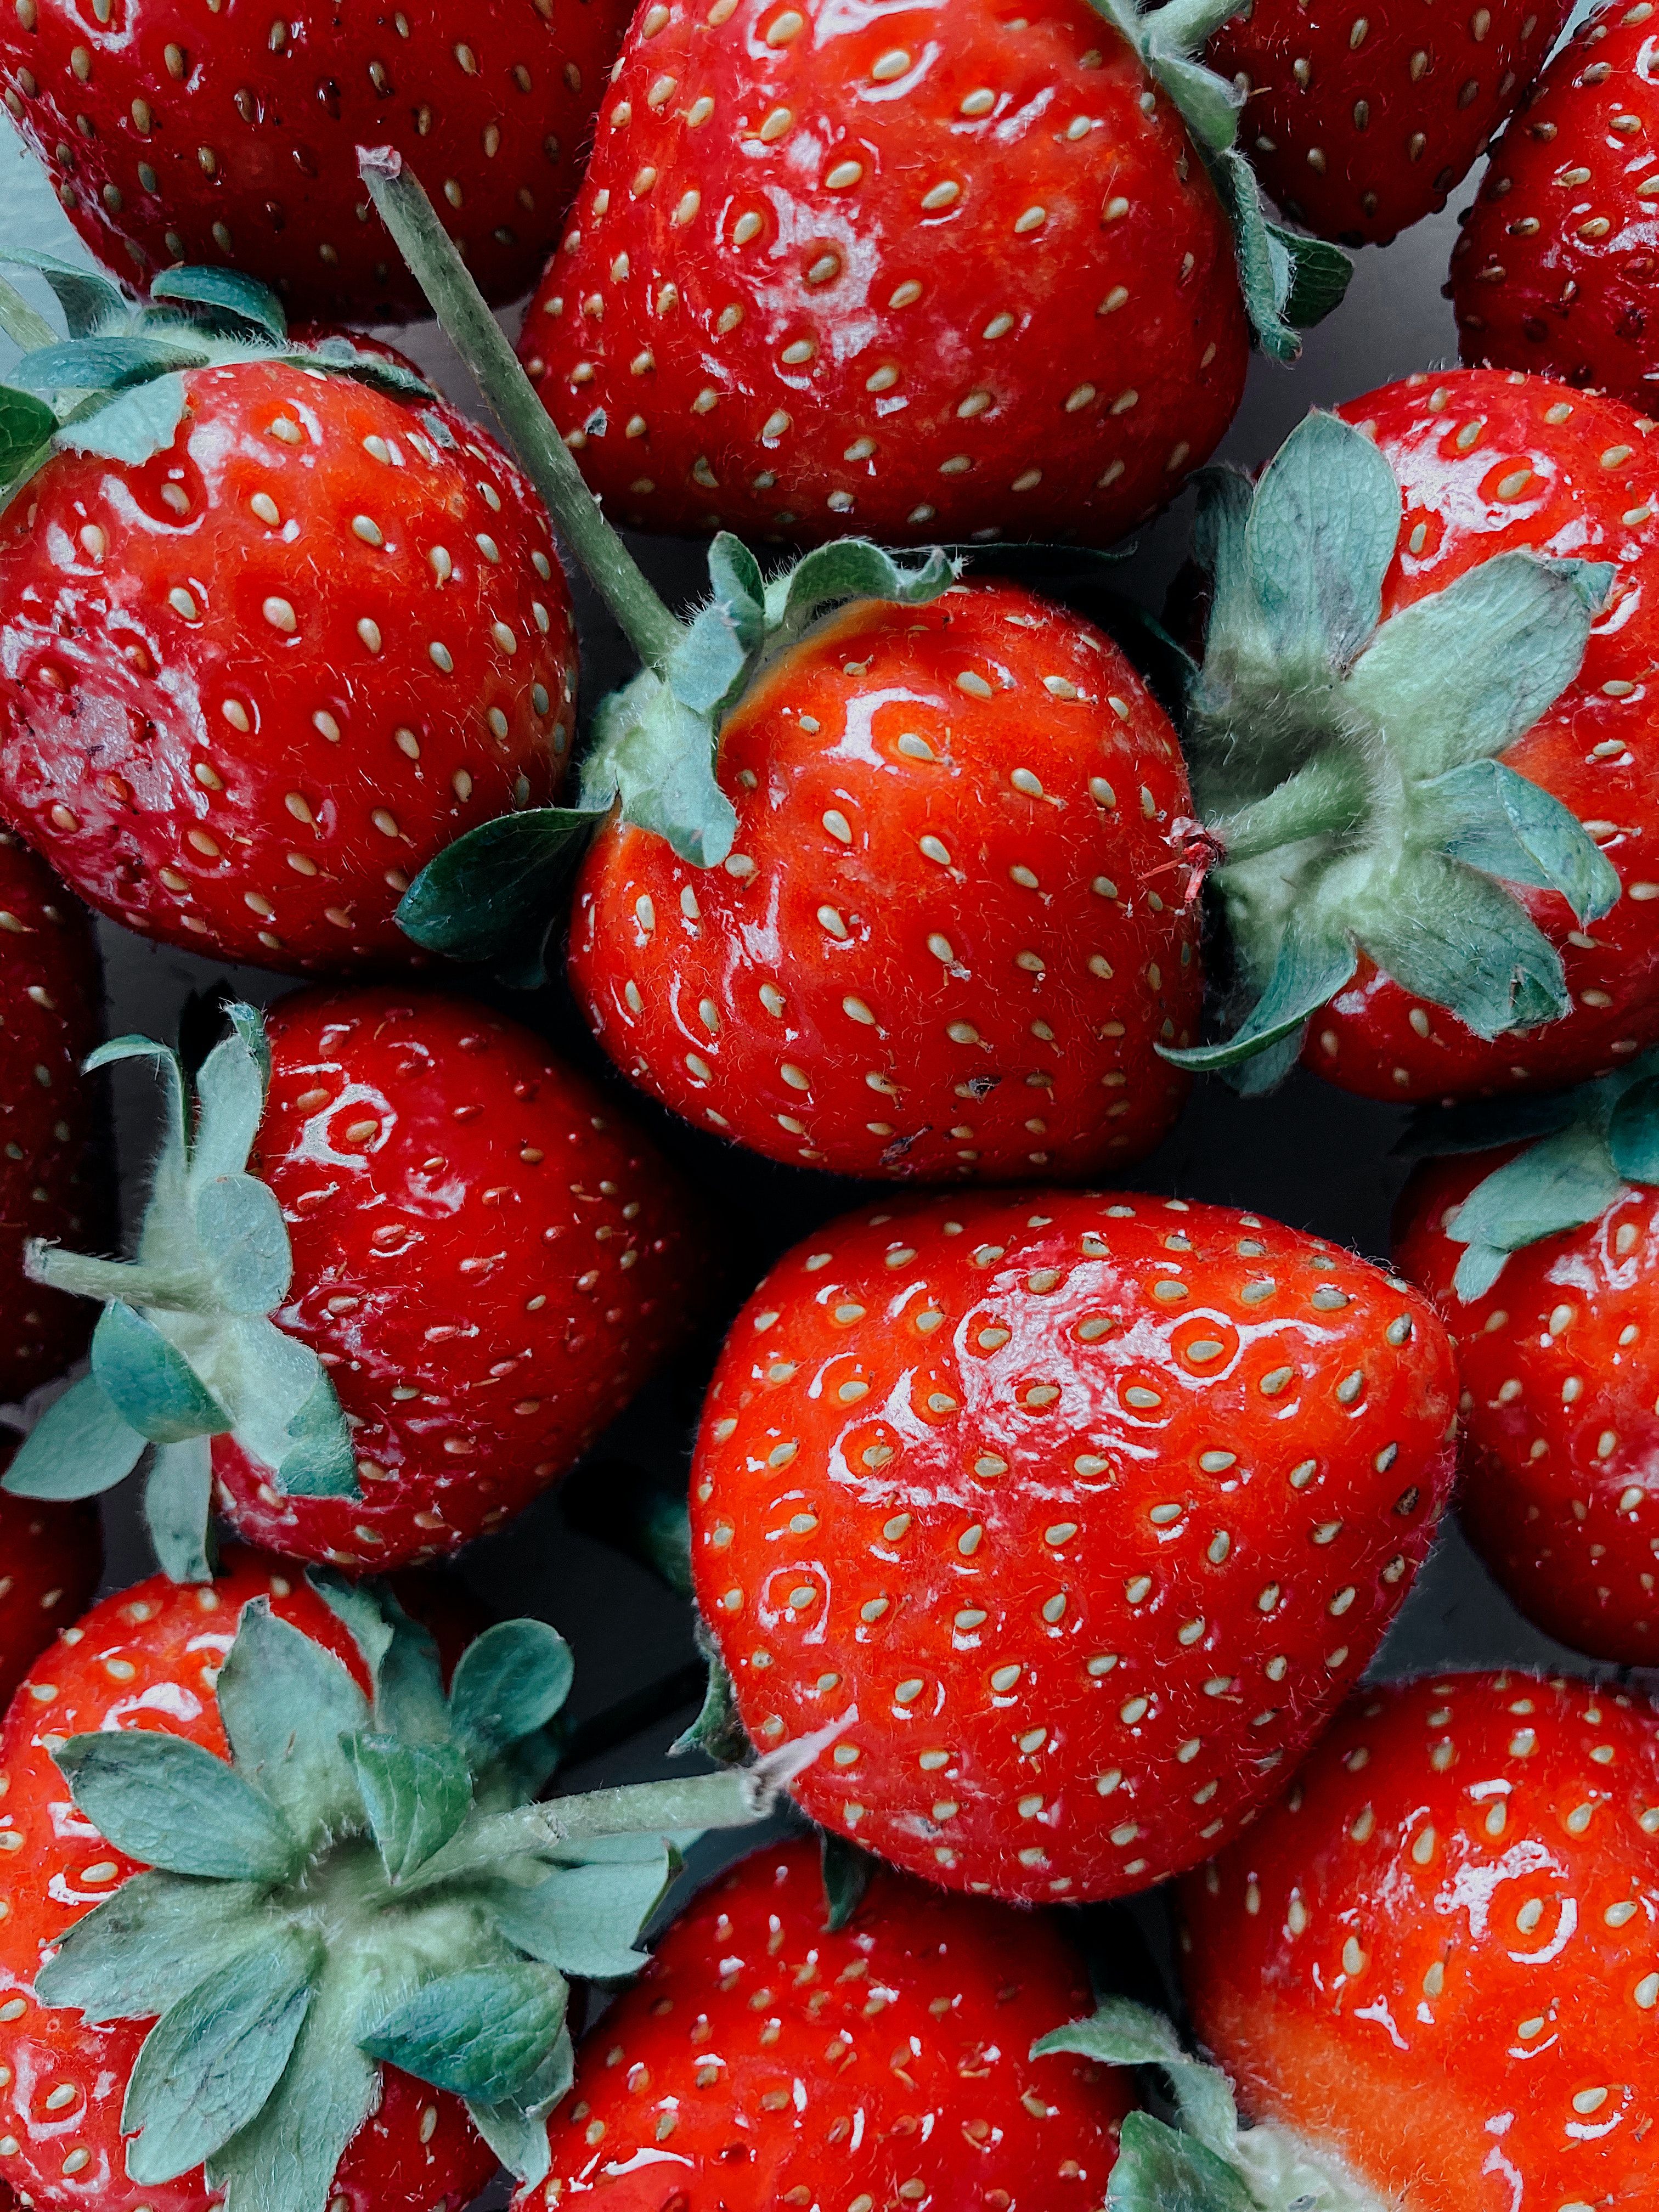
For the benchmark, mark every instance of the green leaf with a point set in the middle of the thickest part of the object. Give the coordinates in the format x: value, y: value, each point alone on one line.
x: 657, y: 757
x: 286, y: 2160
x: 171, y: 1804
x: 1322, y: 533
x: 79, y: 1448
x: 847, y: 1872
x: 492, y: 894
x: 1160, y: 2171
x: 712, y: 659
x: 230, y: 1087
x: 1309, y: 971
x: 1488, y: 816
x: 178, y: 1509
x: 738, y: 584
x: 26, y: 425
x: 1558, y: 1183
x: 396, y: 378
x: 410, y: 1701
x: 286, y: 1704
x: 1460, y: 674
x: 415, y: 1795
x: 1121, y: 2032
x: 509, y: 1683
x: 1458, y: 940
x: 718, y: 1731
x: 149, y: 1382
x: 1265, y: 273
x: 516, y: 2128
x: 1182, y: 26
x: 174, y: 1085
x: 211, y: 2060
x: 1633, y: 1132
x: 481, y: 2032
x: 139, y: 421
x: 1209, y: 103
x: 854, y: 569
x: 286, y: 1412
x: 241, y: 1230
x: 104, y: 364
x: 586, y: 1920
x: 319, y: 1462
x: 1320, y: 276
x: 359, y: 1607
x: 229, y: 292
x: 150, y: 1943
x: 89, y: 300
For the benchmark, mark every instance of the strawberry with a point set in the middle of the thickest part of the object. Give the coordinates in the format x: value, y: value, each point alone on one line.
x: 50, y: 1005
x: 351, y: 1994
x: 1078, y: 1513
x: 1541, y: 1258
x: 172, y: 136
x: 470, y: 1263
x: 50, y: 1562
x: 1360, y: 121
x: 763, y: 2059
x: 1428, y: 1971
x: 1555, y: 266
x: 1417, y: 737
x: 230, y: 580
x: 880, y: 266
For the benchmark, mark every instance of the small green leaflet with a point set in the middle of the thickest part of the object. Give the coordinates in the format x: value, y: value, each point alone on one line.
x: 1158, y: 2170
x: 1311, y: 971
x: 178, y: 1509
x: 148, y: 1381
x: 150, y: 1943
x: 104, y: 364
x: 491, y: 895
x: 240, y: 1222
x: 847, y: 1872
x: 1457, y: 940
x: 79, y: 1448
x: 1633, y: 1132
x: 416, y: 1795
x: 516, y: 2128
x: 133, y: 425
x: 243, y: 298
x: 289, y: 1706
x: 718, y: 1731
x: 586, y: 1919
x: 1317, y: 543
x: 89, y: 302
x: 1489, y: 817
x: 1122, y: 2034
x: 1558, y: 1183
x: 26, y: 425
x: 481, y: 2032
x: 286, y: 2160
x: 170, y: 1804
x: 510, y: 1683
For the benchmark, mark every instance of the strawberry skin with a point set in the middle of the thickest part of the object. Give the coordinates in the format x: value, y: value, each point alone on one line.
x: 1359, y: 121
x: 152, y: 1651
x: 51, y: 1557
x: 486, y: 1257
x: 926, y: 272
x: 231, y: 139
x: 1435, y: 1955
x: 1555, y: 267
x: 1080, y: 1511
x: 1492, y: 462
x: 254, y: 683
x: 1560, y: 1376
x: 762, y: 2060
x: 953, y: 925
x: 51, y: 993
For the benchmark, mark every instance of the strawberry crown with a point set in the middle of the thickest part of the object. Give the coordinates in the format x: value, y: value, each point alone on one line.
x: 365, y: 1883
x: 1581, y: 1151
x: 1207, y: 2159
x: 1289, y: 281
x: 1349, y: 769
x: 186, y: 1349
x: 114, y: 385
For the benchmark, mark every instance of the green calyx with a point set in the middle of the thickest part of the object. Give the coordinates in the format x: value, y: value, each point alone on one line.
x: 1581, y: 1151
x: 1208, y: 2160
x: 184, y: 1349
x: 114, y: 385
x: 1350, y: 769
x: 365, y: 1883
x: 1289, y: 281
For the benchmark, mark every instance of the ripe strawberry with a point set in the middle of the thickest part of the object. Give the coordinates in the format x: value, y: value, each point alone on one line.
x: 1425, y: 684
x: 49, y: 1561
x: 763, y: 2059
x: 173, y: 137
x: 952, y: 925
x: 335, y: 1956
x: 1080, y: 1514
x: 1360, y: 120
x: 1431, y: 1965
x: 939, y: 270
x: 467, y: 1243
x: 305, y: 627
x: 51, y: 1007
x: 1555, y: 267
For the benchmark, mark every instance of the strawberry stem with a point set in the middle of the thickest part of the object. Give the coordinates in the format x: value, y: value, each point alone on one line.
x: 460, y: 307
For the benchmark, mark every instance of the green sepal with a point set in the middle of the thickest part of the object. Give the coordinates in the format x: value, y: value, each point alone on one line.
x: 209, y: 2064
x: 586, y: 1919
x: 481, y: 2032
x: 1158, y: 2169
x: 26, y: 425
x: 1309, y: 971
x: 318, y: 1461
x: 1283, y: 290
x: 134, y: 425
x: 150, y: 1942
x: 1502, y: 825
x: 1318, y: 541
x: 170, y: 1804
x: 847, y: 1870
x: 244, y: 299
x: 79, y: 1448
x: 104, y: 364
x: 509, y: 1683
x: 286, y: 2160
x: 852, y: 569
x: 491, y: 895
x: 516, y: 2128
x: 416, y: 1795
x: 289, y: 1706
x: 713, y: 659
x: 1320, y: 277
x: 1633, y: 1132
x: 231, y: 1087
x: 239, y: 1221
x: 1120, y: 2032
x: 1559, y: 1182
x: 654, y: 756
x: 718, y: 1731
x: 1457, y: 940
x: 179, y: 1510
x: 149, y: 1382
x: 89, y: 302
x: 1209, y: 103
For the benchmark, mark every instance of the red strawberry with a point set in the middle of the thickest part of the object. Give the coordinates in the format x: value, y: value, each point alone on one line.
x: 1079, y: 1513
x: 232, y: 137
x: 50, y: 1562
x: 1425, y: 682
x: 50, y: 1006
x: 1431, y: 1964
x: 935, y: 270
x: 764, y: 2060
x: 1361, y: 120
x: 953, y: 924
x: 257, y: 680
x: 1555, y: 267
x: 486, y: 1262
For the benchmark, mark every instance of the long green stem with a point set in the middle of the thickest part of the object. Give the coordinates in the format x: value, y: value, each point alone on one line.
x: 83, y: 1277
x: 460, y: 307
x: 1325, y: 799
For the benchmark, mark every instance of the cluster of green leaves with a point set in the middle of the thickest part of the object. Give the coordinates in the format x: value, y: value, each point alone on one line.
x: 490, y: 896
x: 334, y: 1898
x: 1350, y: 767
x: 184, y: 1349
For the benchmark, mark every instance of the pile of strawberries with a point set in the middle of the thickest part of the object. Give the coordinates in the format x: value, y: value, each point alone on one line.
x: 1041, y: 1532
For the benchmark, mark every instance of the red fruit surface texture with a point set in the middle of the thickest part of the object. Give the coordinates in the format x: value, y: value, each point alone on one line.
x: 50, y: 1558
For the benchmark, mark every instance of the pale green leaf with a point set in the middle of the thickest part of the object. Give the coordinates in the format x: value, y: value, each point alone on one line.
x: 1160, y: 2171
x: 90, y: 302
x: 169, y: 1803
x: 1456, y: 939
x: 510, y: 1683
x: 241, y: 1230
x: 230, y: 1089
x: 148, y: 1381
x: 481, y: 2032
x: 286, y: 2160
x: 516, y: 2129
x: 1488, y: 816
x: 1322, y: 533
x: 178, y: 1509
x: 1311, y: 968
x: 229, y: 292
x: 586, y: 1920
x: 415, y: 1795
x: 492, y: 895
x: 133, y: 426
x: 286, y: 1704
x: 79, y: 1448
x: 1633, y: 1132
x: 150, y: 1942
